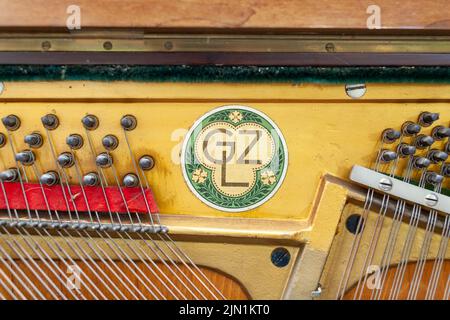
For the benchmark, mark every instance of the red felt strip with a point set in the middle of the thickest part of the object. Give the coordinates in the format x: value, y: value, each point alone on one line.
x: 96, y: 199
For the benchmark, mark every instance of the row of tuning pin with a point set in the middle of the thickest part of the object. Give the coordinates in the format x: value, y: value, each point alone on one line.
x: 74, y: 142
x: 420, y: 142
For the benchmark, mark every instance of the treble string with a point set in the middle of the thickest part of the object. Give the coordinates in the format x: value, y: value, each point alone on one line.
x: 375, y: 234
x: 393, y: 234
x: 359, y: 231
x: 407, y: 246
x: 438, y: 263
x: 420, y: 264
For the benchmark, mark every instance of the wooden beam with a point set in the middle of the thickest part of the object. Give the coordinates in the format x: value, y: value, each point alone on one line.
x: 227, y: 14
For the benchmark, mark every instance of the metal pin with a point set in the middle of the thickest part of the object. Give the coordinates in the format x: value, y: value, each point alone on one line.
x: 25, y: 157
x: 406, y: 150
x: 426, y: 119
x: 433, y: 178
x: 49, y: 178
x: 446, y: 170
x: 387, y: 156
x: 422, y: 141
x: 440, y: 133
x: 410, y: 128
x: 421, y: 163
x: 104, y: 160
x: 437, y: 156
x: 2, y: 140
x: 110, y: 142
x: 74, y: 141
x: 146, y: 163
x: 9, y: 175
x: 50, y: 121
x: 128, y: 122
x: 130, y: 180
x: 91, y: 179
x: 11, y: 122
x: 390, y: 135
x: 34, y: 140
x: 90, y: 122
x: 65, y: 160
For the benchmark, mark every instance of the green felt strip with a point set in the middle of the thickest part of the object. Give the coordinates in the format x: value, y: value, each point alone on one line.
x: 225, y: 74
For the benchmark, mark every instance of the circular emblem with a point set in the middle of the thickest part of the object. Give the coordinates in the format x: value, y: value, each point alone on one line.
x: 234, y: 158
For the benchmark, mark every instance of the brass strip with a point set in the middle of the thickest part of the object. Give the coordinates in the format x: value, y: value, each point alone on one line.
x: 139, y: 42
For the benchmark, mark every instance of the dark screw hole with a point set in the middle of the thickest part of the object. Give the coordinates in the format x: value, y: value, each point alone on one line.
x: 280, y: 257
x: 352, y: 223
x: 107, y: 45
x: 168, y: 45
x: 46, y: 45
x: 330, y: 47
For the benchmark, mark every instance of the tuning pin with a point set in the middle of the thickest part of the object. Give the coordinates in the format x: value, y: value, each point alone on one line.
x: 66, y: 160
x: 406, y: 150
x: 426, y: 119
x: 128, y: 122
x: 50, y: 121
x: 11, y: 122
x: 2, y: 140
x: 25, y: 157
x: 49, y: 178
x: 410, y: 128
x: 421, y: 162
x: 146, y: 162
x: 437, y: 156
x: 104, y: 160
x: 110, y: 142
x: 446, y: 170
x: 34, y: 140
x: 387, y: 156
x: 9, y: 175
x: 440, y: 133
x: 130, y: 180
x: 390, y: 135
x: 422, y: 141
x: 90, y: 122
x: 91, y: 179
x: 74, y: 141
x: 433, y: 178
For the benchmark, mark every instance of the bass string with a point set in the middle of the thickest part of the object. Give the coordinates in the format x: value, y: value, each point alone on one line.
x: 127, y: 209
x: 48, y: 235
x: 111, y: 263
x: 129, y: 237
x: 186, y: 261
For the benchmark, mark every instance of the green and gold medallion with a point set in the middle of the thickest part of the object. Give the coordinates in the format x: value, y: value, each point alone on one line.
x: 234, y: 158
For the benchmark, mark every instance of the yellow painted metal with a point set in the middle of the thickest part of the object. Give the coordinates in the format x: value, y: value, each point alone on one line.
x: 326, y: 132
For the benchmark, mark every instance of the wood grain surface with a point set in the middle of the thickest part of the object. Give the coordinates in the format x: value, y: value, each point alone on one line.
x: 408, y: 279
x: 130, y: 280
x: 227, y: 14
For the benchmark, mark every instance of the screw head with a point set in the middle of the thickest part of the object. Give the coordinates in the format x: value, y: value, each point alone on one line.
x: 431, y: 199
x: 355, y: 91
x: 385, y: 184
